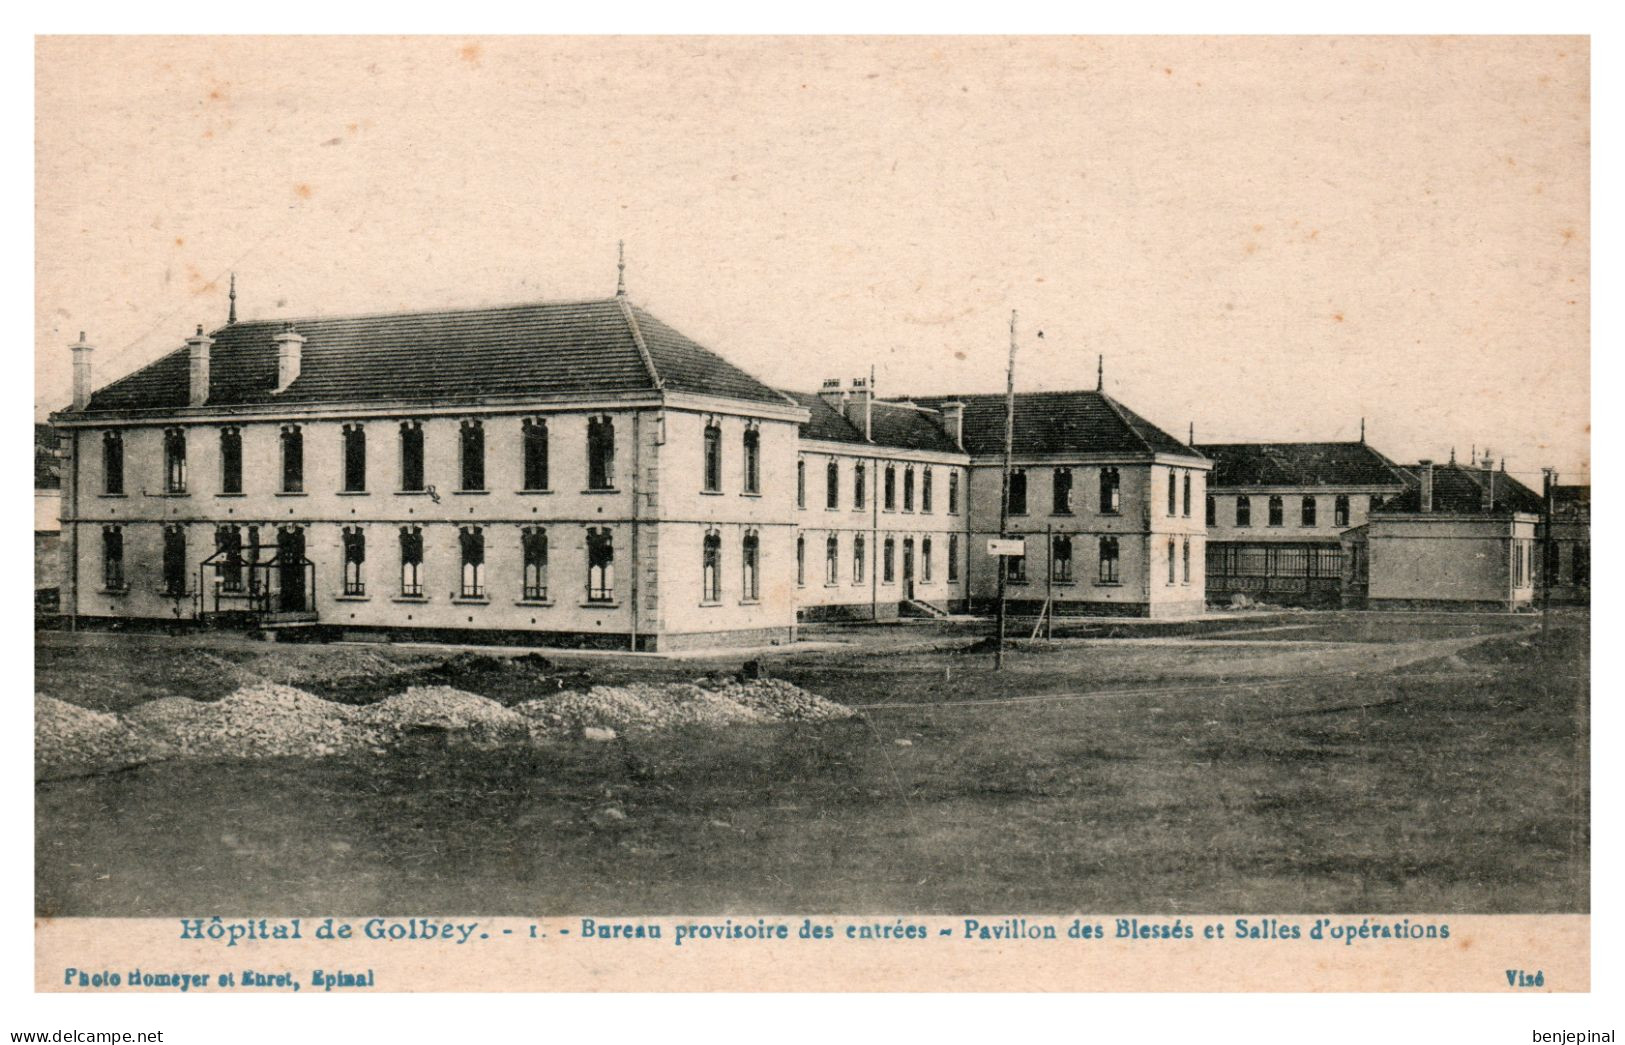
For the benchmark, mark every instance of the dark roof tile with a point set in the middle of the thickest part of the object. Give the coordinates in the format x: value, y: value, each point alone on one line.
x: 1298, y: 464
x: 1059, y: 423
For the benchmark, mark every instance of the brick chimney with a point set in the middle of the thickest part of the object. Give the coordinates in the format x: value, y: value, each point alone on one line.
x: 953, y: 422
x: 290, y: 346
x: 82, y: 351
x: 1425, y: 473
x: 860, y: 407
x: 197, y: 360
x: 1487, y: 491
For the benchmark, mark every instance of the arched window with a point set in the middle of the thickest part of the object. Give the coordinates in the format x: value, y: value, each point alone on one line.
x: 953, y: 492
x: 1170, y: 560
x: 1185, y: 555
x: 953, y: 556
x: 832, y: 560
x: 113, y: 462
x: 471, y: 447
x: 860, y: 485
x: 471, y: 541
x: 1018, y: 492
x: 713, y: 456
x: 1307, y: 510
x: 174, y: 460
x: 711, y: 568
x: 908, y: 488
x: 1340, y: 510
x: 533, y: 545
x: 354, y: 440
x: 801, y: 482
x: 750, y: 550
x: 860, y: 552
x: 1061, y: 491
x: 355, y: 556
x: 600, y: 565
x: 1110, y: 491
x: 925, y: 559
x: 1244, y: 511
x: 412, y: 562
x: 1187, y: 497
x: 753, y: 461
x: 801, y: 560
x: 1173, y: 493
x: 1108, y: 561
x: 889, y: 502
x: 411, y: 456
x: 533, y: 441
x: 888, y: 561
x: 1277, y: 510
x: 293, y: 459
x: 1061, y: 559
x: 925, y: 489
x: 231, y: 460
x: 832, y: 484
x: 601, y: 454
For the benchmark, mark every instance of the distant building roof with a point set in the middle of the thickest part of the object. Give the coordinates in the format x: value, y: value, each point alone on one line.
x: 892, y: 424
x: 1572, y: 500
x: 47, y: 465
x: 1059, y: 423
x: 1458, y: 490
x: 587, y: 347
x: 1299, y: 464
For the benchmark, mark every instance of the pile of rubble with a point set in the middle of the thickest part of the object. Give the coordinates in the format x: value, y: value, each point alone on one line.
x: 270, y: 720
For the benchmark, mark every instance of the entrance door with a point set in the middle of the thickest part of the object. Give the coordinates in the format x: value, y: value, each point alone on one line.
x: 908, y: 568
x: 290, y: 557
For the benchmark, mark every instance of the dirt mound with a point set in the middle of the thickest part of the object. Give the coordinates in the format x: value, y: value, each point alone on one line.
x: 264, y: 720
x: 651, y: 707
x: 442, y: 708
x: 70, y: 740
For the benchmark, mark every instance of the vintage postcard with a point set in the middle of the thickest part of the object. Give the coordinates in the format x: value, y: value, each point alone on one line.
x: 812, y: 514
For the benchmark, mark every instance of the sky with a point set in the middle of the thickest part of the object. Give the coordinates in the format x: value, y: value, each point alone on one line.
x: 1268, y: 238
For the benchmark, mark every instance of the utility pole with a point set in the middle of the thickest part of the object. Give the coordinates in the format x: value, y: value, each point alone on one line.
x: 1547, y: 546
x: 1004, y: 494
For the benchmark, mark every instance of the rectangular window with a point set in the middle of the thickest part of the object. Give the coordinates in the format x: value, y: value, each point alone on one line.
x: 801, y: 561
x: 1015, y: 569
x: 888, y: 561
x: 749, y: 554
x: 801, y: 482
x: 1170, y: 560
x: 355, y: 558
x: 925, y: 491
x: 860, y: 485
x: 601, y: 456
x: 953, y: 493
x: 753, y: 461
x: 113, y: 558
x: 231, y: 460
x: 1212, y: 511
x: 1244, y: 511
x: 293, y: 459
x: 1277, y: 511
x: 953, y: 556
x: 174, y: 561
x: 1185, y: 555
x: 908, y: 488
x: 355, y: 459
x: 1018, y: 492
x: 412, y: 456
x: 1582, y: 565
x: 471, y: 448
x: 1173, y: 494
x: 711, y: 568
x: 471, y: 541
x: 228, y: 560
x: 1108, y: 560
x: 832, y: 560
x: 1340, y: 510
x: 1110, y: 491
x: 1061, y: 559
x: 600, y: 566
x: 925, y: 560
x: 533, y: 545
x: 1061, y: 491
x: 859, y: 554
x: 832, y: 484
x: 1306, y: 514
x: 890, y: 501
x: 412, y: 562
x: 713, y: 458
x: 112, y: 463
x: 533, y: 437
x: 1187, y: 499
x: 174, y: 460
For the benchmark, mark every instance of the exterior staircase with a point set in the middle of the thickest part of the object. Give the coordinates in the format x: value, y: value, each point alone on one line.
x: 920, y: 610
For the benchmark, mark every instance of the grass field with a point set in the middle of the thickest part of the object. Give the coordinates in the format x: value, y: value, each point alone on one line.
x: 1307, y: 763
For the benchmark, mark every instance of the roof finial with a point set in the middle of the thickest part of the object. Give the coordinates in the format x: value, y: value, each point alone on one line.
x: 1100, y: 373
x: 1472, y: 456
x: 231, y: 316
x: 1452, y: 455
x: 1362, y: 430
x: 1191, y: 441
x: 620, y: 269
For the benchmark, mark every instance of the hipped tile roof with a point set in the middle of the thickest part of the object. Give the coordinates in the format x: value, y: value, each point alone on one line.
x: 1084, y: 422
x: 1460, y: 491
x: 1299, y: 464
x: 587, y: 347
x: 892, y: 425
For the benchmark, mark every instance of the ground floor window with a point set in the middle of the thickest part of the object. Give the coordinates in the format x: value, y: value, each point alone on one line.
x: 412, y: 561
x: 1185, y: 556
x: 832, y: 560
x: 533, y: 546
x: 1015, y: 569
x: 711, y: 568
x: 1061, y: 559
x: 953, y: 557
x: 355, y: 555
x: 1582, y: 564
x: 801, y: 561
x: 113, y: 558
x: 1108, y: 560
x: 750, y: 550
x: 600, y: 566
x: 174, y: 561
x: 228, y: 569
x: 925, y: 556
x: 860, y: 551
x: 1170, y: 560
x: 888, y: 561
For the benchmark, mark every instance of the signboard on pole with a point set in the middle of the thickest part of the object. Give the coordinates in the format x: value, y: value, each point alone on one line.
x: 1016, y: 546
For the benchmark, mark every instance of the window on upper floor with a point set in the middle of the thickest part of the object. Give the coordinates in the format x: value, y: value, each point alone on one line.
x: 953, y: 492
x: 355, y: 458
x: 1187, y: 498
x: 174, y: 460
x: 1307, y: 511
x: 801, y: 482
x: 860, y: 485
x: 1212, y: 511
x: 231, y: 460
x: 1110, y: 491
x: 753, y: 461
x: 1173, y: 493
x: 889, y: 501
x: 832, y: 484
x: 1061, y: 491
x: 1277, y: 511
x: 412, y: 456
x: 925, y: 489
x: 601, y: 453
x: 533, y: 439
x: 293, y: 459
x: 908, y: 488
x: 1244, y: 511
x: 1018, y: 491
x: 713, y: 457
x: 471, y: 454
x: 1340, y: 510
x: 112, y: 462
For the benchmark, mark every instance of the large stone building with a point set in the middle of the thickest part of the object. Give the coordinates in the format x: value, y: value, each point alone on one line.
x: 1275, y: 513
x: 581, y: 473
